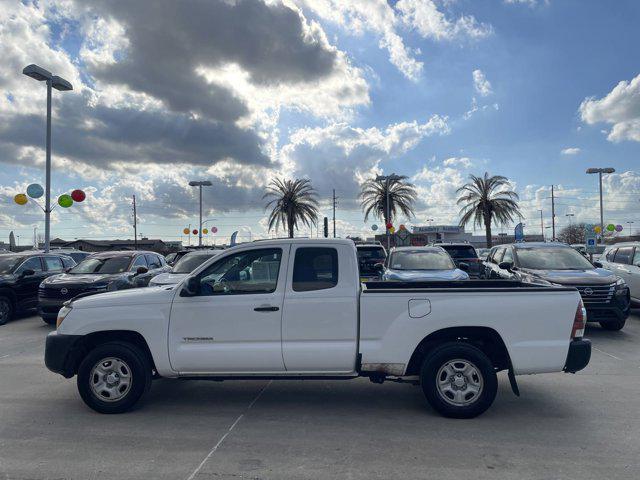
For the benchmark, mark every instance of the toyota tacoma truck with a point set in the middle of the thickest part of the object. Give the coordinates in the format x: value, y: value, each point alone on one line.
x: 296, y: 309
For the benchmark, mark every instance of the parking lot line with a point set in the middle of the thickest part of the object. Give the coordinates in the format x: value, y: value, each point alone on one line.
x: 233, y: 425
x: 608, y: 354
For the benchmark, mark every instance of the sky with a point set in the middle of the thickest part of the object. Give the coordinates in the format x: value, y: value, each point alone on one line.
x: 337, y: 91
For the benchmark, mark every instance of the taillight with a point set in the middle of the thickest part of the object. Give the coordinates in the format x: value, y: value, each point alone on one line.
x: 579, y: 321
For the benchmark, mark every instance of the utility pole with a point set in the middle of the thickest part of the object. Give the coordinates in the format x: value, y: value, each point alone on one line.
x: 600, y: 171
x: 553, y: 215
x: 135, y: 225
x: 335, y: 203
x: 541, y: 225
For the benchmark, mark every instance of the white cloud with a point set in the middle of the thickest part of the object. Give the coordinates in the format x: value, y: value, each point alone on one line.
x: 380, y: 18
x: 481, y: 84
x: 570, y: 151
x: 458, y: 161
x: 619, y: 108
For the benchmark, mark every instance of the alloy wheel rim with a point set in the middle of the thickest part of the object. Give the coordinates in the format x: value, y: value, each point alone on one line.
x: 459, y: 382
x: 110, y: 379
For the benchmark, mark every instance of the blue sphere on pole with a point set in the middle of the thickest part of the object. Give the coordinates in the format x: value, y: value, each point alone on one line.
x: 35, y: 190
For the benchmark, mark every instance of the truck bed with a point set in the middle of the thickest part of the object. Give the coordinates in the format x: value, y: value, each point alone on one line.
x: 461, y: 285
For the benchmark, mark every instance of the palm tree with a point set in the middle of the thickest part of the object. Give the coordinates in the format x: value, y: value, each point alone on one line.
x: 375, y: 192
x: 292, y: 202
x: 486, y: 199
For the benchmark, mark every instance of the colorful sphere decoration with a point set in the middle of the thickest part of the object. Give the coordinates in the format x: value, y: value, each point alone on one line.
x: 35, y: 190
x: 195, y: 231
x: 374, y: 227
x: 597, y: 229
x: 20, y: 199
x: 611, y: 227
x: 205, y: 231
x: 402, y: 227
x: 214, y: 229
x: 77, y: 195
x: 65, y: 200
x: 389, y: 226
x: 618, y: 228
x: 392, y: 230
x: 185, y: 231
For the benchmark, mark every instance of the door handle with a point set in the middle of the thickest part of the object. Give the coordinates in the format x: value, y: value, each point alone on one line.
x: 266, y: 309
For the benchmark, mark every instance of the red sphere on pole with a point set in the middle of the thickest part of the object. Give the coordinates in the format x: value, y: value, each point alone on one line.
x: 78, y: 195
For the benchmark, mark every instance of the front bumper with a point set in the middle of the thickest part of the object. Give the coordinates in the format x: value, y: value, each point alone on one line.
x: 61, y: 353
x: 578, y: 356
x: 50, y: 307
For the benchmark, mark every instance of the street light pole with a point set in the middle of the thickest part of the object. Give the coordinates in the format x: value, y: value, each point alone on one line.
x: 629, y: 223
x: 600, y: 171
x: 200, y: 184
x: 62, y: 85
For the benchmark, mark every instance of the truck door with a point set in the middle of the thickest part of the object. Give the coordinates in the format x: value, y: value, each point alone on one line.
x: 233, y: 322
x: 320, y: 317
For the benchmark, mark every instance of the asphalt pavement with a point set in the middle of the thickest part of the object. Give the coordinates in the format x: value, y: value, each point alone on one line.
x: 583, y: 426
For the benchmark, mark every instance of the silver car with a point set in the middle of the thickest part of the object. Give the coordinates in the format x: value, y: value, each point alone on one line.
x: 623, y: 259
x: 422, y: 264
x: 183, y: 267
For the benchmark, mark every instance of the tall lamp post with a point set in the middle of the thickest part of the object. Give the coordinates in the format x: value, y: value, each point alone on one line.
x: 629, y: 223
x: 200, y: 184
x: 387, y: 179
x: 62, y: 85
x: 600, y: 171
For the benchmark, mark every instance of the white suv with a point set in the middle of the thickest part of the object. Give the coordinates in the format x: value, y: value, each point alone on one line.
x: 624, y: 260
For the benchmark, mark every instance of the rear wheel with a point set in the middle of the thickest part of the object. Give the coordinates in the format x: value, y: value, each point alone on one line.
x: 113, y: 377
x: 613, y: 325
x: 459, y: 380
x: 6, y: 310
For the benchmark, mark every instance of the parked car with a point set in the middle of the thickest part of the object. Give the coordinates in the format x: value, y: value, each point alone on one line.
x: 20, y: 275
x: 579, y: 247
x: 464, y: 253
x: 370, y: 257
x: 483, y: 253
x: 98, y: 273
x: 183, y: 267
x: 296, y: 309
x: 422, y: 264
x: 623, y: 259
x: 605, y: 295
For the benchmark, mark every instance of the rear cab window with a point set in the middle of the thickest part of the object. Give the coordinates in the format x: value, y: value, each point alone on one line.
x: 315, y: 268
x: 460, y: 252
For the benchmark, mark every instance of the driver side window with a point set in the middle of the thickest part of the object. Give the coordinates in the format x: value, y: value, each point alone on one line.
x: 508, y: 256
x: 32, y: 264
x: 249, y: 272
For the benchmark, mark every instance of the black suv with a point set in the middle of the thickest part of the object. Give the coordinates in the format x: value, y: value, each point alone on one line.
x: 100, y: 272
x: 20, y: 275
x: 370, y: 256
x: 464, y: 253
x: 605, y: 295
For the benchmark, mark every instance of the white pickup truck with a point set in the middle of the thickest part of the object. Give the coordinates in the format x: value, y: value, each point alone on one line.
x: 295, y: 309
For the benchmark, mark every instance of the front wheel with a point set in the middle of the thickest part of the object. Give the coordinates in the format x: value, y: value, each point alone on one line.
x: 113, y: 377
x: 459, y: 380
x: 6, y: 310
x: 613, y: 325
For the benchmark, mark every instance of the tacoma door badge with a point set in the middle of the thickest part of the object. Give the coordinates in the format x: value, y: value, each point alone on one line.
x: 197, y: 339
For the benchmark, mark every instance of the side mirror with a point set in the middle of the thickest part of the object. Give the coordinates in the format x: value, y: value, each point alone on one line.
x: 506, y: 265
x: 379, y: 268
x: 597, y: 264
x: 463, y: 266
x: 141, y: 271
x: 191, y: 287
x: 27, y: 272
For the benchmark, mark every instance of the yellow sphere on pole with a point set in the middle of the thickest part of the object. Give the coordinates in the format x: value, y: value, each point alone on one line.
x: 20, y: 199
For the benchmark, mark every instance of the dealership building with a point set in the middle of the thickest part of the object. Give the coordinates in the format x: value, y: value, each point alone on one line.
x: 430, y: 234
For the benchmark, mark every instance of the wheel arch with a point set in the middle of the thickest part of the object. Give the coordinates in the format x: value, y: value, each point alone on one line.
x: 94, y: 339
x: 485, y: 338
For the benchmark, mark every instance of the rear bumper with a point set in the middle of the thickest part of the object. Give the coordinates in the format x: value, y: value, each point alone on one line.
x: 61, y: 353
x: 578, y: 356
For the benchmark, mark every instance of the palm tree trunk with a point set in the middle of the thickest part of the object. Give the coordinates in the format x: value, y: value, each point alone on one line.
x: 487, y: 231
x: 290, y: 224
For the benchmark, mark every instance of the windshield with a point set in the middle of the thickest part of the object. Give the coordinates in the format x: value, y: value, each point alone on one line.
x: 371, y: 253
x: 421, y: 260
x: 102, y: 265
x: 191, y: 261
x: 461, y: 251
x: 8, y: 263
x: 552, y: 259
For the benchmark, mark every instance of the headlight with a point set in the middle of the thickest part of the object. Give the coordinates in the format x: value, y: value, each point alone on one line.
x: 620, y: 283
x: 62, y: 314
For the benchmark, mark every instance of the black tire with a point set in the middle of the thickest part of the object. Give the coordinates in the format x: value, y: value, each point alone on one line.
x: 139, y: 371
x: 6, y: 309
x: 483, y: 378
x: 613, y: 325
x: 49, y: 320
